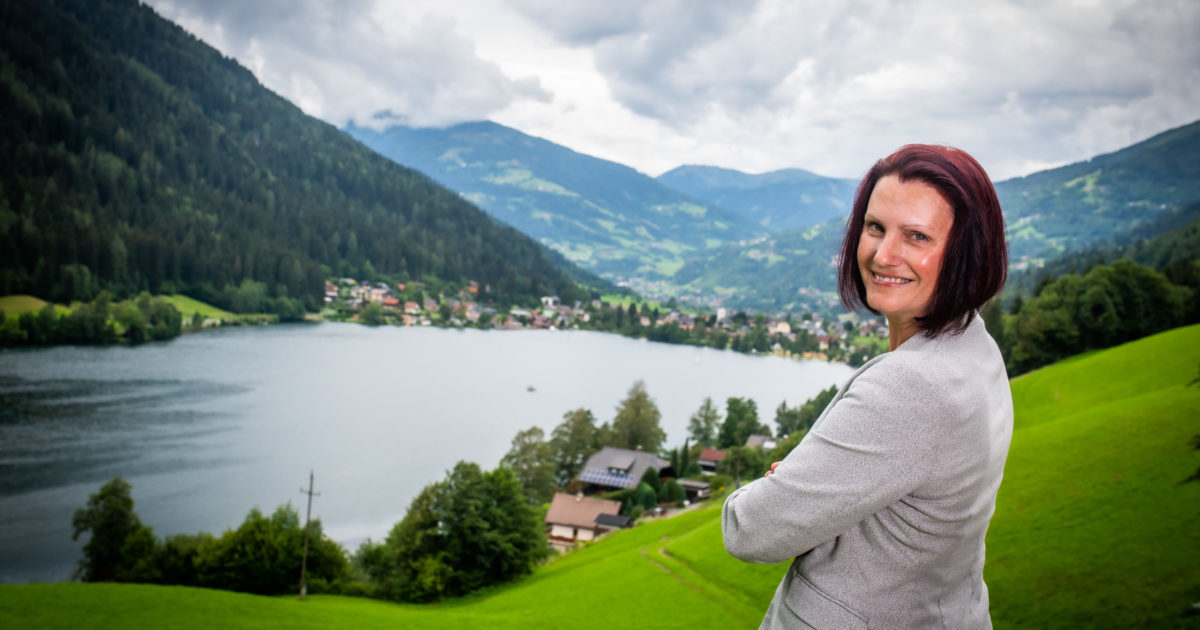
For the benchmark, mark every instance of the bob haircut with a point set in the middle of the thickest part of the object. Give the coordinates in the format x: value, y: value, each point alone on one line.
x: 975, y: 263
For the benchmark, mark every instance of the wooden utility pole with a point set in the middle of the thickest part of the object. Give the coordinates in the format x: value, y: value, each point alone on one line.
x: 307, y: 517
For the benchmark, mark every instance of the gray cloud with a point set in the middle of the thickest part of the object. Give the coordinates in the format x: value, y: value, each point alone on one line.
x: 338, y: 63
x: 828, y: 86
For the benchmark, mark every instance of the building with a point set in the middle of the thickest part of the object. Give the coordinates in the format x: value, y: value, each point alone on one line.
x: 709, y: 459
x: 617, y: 468
x: 572, y: 518
x: 764, y: 442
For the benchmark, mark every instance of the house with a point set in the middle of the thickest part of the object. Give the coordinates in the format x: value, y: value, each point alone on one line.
x: 695, y: 490
x: 573, y: 517
x: 412, y: 308
x: 709, y: 459
x: 391, y: 303
x: 550, y: 301
x: 763, y: 442
x: 617, y: 468
x: 607, y: 522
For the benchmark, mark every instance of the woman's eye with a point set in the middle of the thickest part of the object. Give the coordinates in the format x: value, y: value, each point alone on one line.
x: 874, y: 227
x: 917, y: 236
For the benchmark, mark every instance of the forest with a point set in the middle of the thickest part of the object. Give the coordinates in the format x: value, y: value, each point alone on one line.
x: 133, y: 157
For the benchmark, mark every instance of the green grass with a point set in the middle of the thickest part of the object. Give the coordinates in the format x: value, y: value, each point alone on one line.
x: 1092, y: 530
x: 14, y: 305
x: 187, y: 307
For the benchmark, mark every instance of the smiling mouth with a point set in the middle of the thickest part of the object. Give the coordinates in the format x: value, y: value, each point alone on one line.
x: 889, y: 279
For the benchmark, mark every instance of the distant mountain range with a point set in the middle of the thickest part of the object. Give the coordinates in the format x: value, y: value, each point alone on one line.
x: 765, y: 241
x: 604, y: 216
x: 778, y: 200
x: 1134, y: 191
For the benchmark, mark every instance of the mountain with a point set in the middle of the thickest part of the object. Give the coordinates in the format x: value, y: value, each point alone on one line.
x: 1170, y: 244
x: 601, y: 215
x: 785, y: 271
x: 1067, y: 209
x: 135, y: 157
x: 1108, y: 202
x: 778, y: 200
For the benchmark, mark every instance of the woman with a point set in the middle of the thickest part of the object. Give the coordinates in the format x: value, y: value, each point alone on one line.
x: 885, y: 503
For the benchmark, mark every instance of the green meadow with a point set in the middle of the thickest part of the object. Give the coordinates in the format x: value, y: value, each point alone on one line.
x: 188, y: 307
x: 14, y: 305
x: 1093, y: 529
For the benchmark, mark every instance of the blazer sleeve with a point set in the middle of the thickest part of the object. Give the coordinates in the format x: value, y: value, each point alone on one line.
x: 870, y: 449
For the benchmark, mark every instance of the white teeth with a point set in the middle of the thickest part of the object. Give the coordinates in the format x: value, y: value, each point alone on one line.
x: 890, y: 279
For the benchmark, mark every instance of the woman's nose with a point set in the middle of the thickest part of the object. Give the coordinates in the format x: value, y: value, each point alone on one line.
x: 888, y: 251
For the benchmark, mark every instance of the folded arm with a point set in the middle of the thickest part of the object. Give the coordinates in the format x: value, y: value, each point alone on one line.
x: 869, y: 451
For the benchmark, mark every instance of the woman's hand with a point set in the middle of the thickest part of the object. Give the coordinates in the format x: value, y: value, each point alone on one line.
x: 772, y: 471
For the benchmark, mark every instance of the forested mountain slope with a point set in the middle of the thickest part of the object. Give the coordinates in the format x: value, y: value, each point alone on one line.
x: 1069, y: 208
x: 133, y: 156
x: 778, y: 200
x: 604, y: 216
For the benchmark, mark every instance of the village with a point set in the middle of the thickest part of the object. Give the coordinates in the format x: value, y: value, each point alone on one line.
x: 844, y: 337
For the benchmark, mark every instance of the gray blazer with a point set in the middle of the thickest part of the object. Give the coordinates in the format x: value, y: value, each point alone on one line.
x: 885, y: 503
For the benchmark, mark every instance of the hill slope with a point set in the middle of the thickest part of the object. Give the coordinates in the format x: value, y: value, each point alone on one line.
x: 599, y: 214
x: 778, y: 200
x: 133, y: 156
x: 1092, y: 529
x: 1068, y: 208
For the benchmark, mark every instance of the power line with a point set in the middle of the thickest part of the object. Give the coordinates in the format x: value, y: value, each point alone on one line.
x: 307, y: 518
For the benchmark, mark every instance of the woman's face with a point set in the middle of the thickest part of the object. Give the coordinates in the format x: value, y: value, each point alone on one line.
x: 904, y: 236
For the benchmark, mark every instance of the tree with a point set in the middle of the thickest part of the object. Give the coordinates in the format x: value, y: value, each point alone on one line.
x: 636, y: 423
x: 471, y: 530
x: 741, y: 421
x: 110, y: 519
x: 741, y: 462
x: 371, y: 314
x: 532, y: 461
x: 263, y: 555
x: 702, y: 426
x: 571, y: 443
x: 787, y: 420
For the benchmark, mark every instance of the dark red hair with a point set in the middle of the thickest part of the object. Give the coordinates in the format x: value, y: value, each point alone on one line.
x: 975, y: 262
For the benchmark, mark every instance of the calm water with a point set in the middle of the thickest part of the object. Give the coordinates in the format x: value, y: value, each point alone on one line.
x: 211, y: 424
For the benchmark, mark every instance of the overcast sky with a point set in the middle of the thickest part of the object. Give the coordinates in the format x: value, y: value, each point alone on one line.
x: 755, y: 86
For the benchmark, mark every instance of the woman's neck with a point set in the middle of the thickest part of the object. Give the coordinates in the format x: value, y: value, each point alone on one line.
x: 900, y: 330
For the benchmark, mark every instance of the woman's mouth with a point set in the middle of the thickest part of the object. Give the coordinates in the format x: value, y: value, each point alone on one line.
x: 889, y: 279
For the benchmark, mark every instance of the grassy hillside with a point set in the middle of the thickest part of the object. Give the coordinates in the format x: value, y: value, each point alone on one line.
x: 1092, y: 529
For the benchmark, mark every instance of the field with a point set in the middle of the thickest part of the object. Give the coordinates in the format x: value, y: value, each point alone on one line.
x: 14, y: 305
x: 188, y: 307
x: 1093, y: 529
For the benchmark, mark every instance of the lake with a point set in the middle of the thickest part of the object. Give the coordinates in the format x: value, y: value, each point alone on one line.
x: 211, y: 424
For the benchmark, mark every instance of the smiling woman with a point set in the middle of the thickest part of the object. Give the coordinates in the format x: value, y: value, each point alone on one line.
x: 885, y: 503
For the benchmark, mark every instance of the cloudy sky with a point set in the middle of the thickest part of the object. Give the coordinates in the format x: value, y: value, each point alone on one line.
x: 828, y: 86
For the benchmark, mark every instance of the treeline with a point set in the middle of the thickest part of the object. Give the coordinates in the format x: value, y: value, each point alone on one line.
x: 263, y: 555
x: 744, y: 332
x: 100, y: 321
x: 135, y: 158
x: 1106, y: 306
